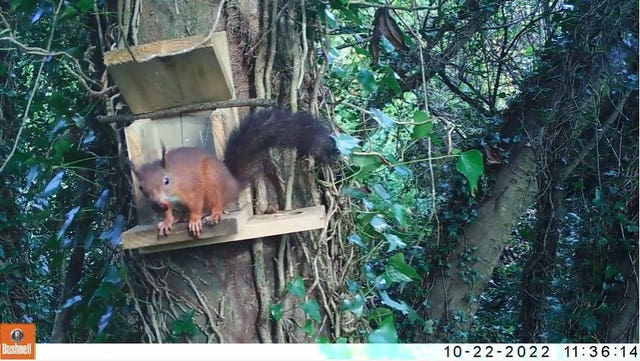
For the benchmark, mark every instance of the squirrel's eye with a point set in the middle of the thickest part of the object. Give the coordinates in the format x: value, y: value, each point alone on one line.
x: 166, y: 180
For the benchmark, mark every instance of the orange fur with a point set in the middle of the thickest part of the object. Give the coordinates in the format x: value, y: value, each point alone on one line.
x: 194, y: 179
x: 204, y: 185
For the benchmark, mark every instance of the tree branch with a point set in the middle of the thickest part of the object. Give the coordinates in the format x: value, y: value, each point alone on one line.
x: 232, y: 103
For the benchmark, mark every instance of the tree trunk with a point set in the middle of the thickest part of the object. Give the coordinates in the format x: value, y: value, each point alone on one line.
x: 232, y: 286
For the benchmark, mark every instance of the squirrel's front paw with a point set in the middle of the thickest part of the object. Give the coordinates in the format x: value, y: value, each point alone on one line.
x: 195, y: 228
x: 212, y: 219
x: 164, y: 228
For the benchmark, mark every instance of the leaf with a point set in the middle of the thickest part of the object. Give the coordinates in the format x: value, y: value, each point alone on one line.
x: 67, y: 222
x: 420, y: 117
x: 105, y: 291
x: 276, y: 311
x: 422, y: 130
x: 392, y: 275
x: 380, y: 191
x: 397, y: 262
x: 589, y: 322
x: 346, y: 143
x: 105, y: 318
x: 37, y: 15
x: 386, y: 333
x: 367, y: 81
x: 353, y: 193
x: 297, y: 287
x: 400, y: 306
x: 85, y: 5
x: 79, y: 121
x: 378, y: 224
x: 355, y: 239
x: 308, y: 327
x: 367, y: 163
x: 184, y: 325
x: 391, y: 80
x: 102, y: 200
x: 312, y: 309
x: 610, y: 271
x: 382, y: 118
x: 58, y: 103
x: 34, y: 171
x: 72, y: 301
x: 69, y: 12
x: 53, y: 185
x: 379, y: 314
x: 114, y: 234
x: 470, y: 165
x: 331, y: 20
x: 14, y: 4
x: 355, y: 306
x: 400, y: 214
x: 394, y: 242
x: 61, y: 125
x: 322, y: 339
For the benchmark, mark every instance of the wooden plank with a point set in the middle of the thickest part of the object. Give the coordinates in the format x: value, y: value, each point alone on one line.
x: 173, y: 72
x: 147, y: 235
x: 297, y: 220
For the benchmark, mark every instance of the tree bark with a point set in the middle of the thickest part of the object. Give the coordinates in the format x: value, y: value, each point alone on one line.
x: 232, y: 286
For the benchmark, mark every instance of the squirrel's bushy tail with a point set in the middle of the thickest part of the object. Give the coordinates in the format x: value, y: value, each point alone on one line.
x: 258, y: 132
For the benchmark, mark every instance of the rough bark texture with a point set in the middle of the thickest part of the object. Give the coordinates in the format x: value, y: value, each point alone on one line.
x: 457, y: 293
x: 232, y: 286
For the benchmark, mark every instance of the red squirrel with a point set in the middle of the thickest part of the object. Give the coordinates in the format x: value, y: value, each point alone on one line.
x: 198, y: 181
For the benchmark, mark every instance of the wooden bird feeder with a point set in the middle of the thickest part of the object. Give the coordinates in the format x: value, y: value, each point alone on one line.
x: 180, y: 72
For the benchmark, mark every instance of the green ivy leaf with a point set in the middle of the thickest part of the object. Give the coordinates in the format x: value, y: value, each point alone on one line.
x: 397, y: 262
x: 322, y: 339
x: 67, y: 222
x: 367, y: 163
x: 422, y: 130
x: 392, y: 275
x: 85, y: 5
x: 53, y: 185
x: 391, y: 80
x: 394, y: 242
x: 610, y: 271
x: 353, y: 193
x: 382, y: 118
x: 297, y: 287
x: 69, y: 12
x: 58, y: 103
x: 400, y: 306
x: 379, y: 314
x: 276, y: 311
x: 184, y: 325
x: 400, y: 214
x: 471, y: 166
x: 355, y: 306
x: 331, y: 20
x: 346, y: 143
x: 589, y: 322
x: 378, y: 224
x: 386, y: 333
x: 308, y: 327
x: 312, y: 309
x: 367, y: 81
x: 355, y: 239
x: 380, y: 191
